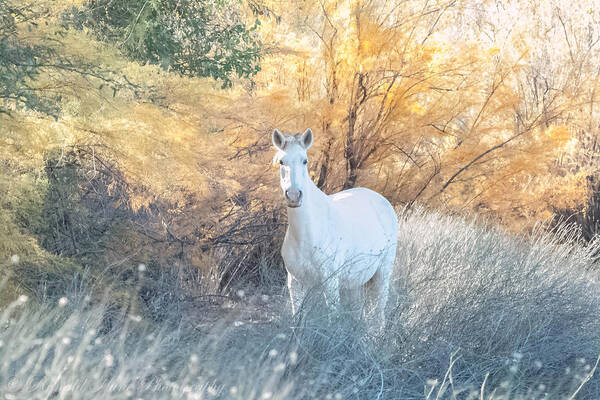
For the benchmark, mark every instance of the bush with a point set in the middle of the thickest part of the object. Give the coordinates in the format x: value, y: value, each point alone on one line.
x: 491, y: 296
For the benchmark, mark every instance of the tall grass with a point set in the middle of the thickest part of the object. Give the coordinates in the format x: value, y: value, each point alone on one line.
x: 478, y: 314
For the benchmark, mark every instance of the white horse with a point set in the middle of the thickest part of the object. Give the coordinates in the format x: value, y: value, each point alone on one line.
x: 342, y: 241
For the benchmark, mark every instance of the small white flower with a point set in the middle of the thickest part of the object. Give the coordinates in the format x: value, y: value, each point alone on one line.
x: 338, y: 396
x: 241, y: 293
x: 542, y: 387
x: 135, y: 318
x: 97, y: 341
x: 267, y: 395
x: 538, y: 364
x: 66, y: 340
x: 273, y: 353
x: 23, y: 299
x: 265, y: 298
x: 1, y: 343
x: 67, y: 388
x: 517, y: 356
x: 194, y: 358
x: 141, y: 267
x: 109, y: 360
x: 233, y: 390
x: 279, y: 367
x: 293, y: 357
x: 238, y: 323
x: 432, y: 382
x: 513, y: 369
x: 281, y: 336
x: 14, y: 258
x: 62, y: 301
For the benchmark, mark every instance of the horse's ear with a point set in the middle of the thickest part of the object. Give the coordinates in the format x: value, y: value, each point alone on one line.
x: 307, y: 139
x: 278, y: 139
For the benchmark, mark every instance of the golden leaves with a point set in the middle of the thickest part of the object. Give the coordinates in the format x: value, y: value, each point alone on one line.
x: 417, y: 104
x: 417, y: 108
x: 559, y: 134
x: 493, y: 51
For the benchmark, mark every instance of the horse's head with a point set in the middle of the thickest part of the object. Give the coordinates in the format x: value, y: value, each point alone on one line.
x: 292, y: 159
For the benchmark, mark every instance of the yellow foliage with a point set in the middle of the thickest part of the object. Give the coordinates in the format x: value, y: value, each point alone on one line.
x: 559, y: 135
x: 408, y: 106
x: 417, y: 109
x: 493, y: 51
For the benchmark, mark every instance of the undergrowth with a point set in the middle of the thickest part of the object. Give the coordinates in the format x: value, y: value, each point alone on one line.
x: 478, y: 314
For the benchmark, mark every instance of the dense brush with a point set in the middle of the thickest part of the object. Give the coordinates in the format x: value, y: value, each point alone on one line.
x: 479, y: 313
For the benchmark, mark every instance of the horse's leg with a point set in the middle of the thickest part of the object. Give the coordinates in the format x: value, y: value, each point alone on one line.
x: 379, y: 288
x: 297, y: 293
x: 332, y: 292
x: 350, y: 299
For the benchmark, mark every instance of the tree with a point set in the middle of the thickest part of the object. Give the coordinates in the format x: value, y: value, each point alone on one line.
x: 194, y: 38
x: 27, y: 53
x: 19, y: 62
x: 407, y: 102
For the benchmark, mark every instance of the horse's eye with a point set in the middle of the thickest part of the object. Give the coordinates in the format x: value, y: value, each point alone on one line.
x: 280, y: 162
x: 305, y: 162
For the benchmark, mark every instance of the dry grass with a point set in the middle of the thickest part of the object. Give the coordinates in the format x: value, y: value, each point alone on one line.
x: 478, y: 314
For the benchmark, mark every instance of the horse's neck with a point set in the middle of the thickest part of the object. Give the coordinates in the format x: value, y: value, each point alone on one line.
x: 309, y: 222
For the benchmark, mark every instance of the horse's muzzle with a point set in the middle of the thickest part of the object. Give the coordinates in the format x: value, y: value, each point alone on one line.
x: 293, y: 198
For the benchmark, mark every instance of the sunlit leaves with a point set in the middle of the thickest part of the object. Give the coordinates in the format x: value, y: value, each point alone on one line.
x: 194, y: 38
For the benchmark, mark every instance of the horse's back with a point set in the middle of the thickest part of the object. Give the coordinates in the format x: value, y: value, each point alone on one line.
x: 366, y: 216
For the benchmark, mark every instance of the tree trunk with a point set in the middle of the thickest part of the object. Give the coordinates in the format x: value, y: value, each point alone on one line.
x: 322, y: 180
x: 350, y: 153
